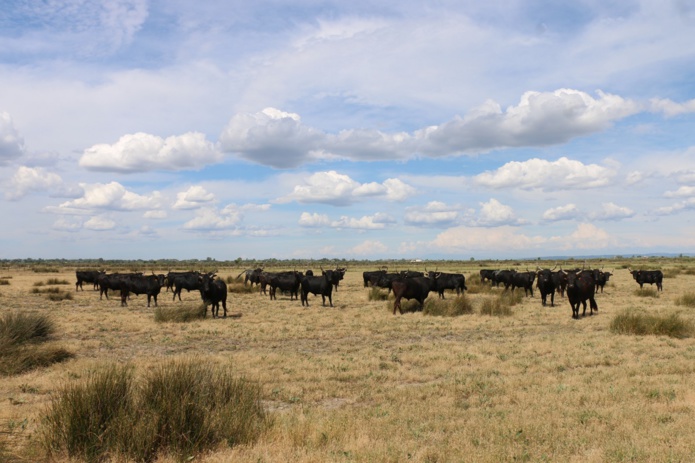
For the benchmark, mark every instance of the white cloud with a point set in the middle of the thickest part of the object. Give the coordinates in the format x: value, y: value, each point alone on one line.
x: 611, y: 211
x: 271, y: 137
x: 193, y: 198
x: 341, y: 190
x: 377, y: 221
x: 210, y: 219
x: 11, y: 143
x: 435, y: 213
x: 111, y: 196
x: 539, y: 174
x: 142, y: 152
x: 567, y: 212
x: 65, y: 224
x: 670, y: 108
x: 493, y: 214
x: 32, y: 179
x: 687, y: 204
x: 369, y: 248
x: 99, y: 223
x: 682, y: 192
x: 155, y: 214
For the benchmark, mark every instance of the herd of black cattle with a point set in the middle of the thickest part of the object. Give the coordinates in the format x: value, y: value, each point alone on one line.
x: 580, y: 285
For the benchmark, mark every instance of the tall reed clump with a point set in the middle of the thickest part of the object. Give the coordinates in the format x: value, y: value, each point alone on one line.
x: 460, y: 305
x: 180, y: 314
x: 23, y: 338
x: 236, y: 285
x: 180, y: 408
x: 501, y: 306
x: 376, y: 294
x: 642, y: 324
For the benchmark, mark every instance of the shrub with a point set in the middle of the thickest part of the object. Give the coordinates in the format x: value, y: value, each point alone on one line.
x: 180, y: 408
x: 180, y: 314
x: 687, y: 299
x: 448, y: 307
x: 644, y: 324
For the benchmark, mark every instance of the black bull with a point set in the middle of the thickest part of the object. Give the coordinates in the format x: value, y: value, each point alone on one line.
x: 453, y: 281
x: 648, y: 276
x: 322, y: 285
x: 417, y: 288
x: 581, y: 286
x: 140, y: 284
x: 213, y: 291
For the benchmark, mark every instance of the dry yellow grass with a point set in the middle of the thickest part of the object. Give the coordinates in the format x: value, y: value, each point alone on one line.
x: 355, y: 383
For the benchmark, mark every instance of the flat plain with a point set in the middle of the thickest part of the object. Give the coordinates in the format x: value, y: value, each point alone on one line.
x: 356, y: 383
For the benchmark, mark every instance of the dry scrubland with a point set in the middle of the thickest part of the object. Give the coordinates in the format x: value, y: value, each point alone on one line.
x: 355, y: 383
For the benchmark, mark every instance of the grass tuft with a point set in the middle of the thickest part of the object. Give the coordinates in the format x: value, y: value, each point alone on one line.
x: 180, y: 314
x: 4, y: 282
x: 21, y: 339
x: 646, y: 292
x: 180, y: 408
x: 501, y: 306
x: 237, y: 286
x: 644, y: 324
x: 376, y: 294
x: 460, y: 305
x: 687, y: 299
x: 57, y: 281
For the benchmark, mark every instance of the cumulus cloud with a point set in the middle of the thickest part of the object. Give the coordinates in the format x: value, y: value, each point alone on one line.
x: 539, y: 174
x: 435, y: 213
x: 374, y: 222
x: 687, y: 204
x: 99, y: 223
x: 32, y: 179
x: 272, y: 137
x: 567, y: 212
x: 209, y: 219
x: 279, y: 139
x: 682, y: 192
x: 193, y: 198
x: 341, y: 190
x: 11, y: 143
x: 369, y: 248
x: 611, y: 211
x: 142, y: 152
x: 493, y: 214
x: 155, y: 214
x: 67, y: 224
x: 110, y: 196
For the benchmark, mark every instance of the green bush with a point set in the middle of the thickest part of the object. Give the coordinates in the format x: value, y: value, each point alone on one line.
x: 180, y: 408
x: 644, y: 324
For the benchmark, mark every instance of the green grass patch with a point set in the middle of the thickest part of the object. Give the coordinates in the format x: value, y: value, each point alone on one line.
x: 687, y: 300
x: 645, y: 324
x: 180, y: 314
x: 181, y: 408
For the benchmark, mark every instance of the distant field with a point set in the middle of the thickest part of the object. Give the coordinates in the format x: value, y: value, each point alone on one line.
x: 355, y: 383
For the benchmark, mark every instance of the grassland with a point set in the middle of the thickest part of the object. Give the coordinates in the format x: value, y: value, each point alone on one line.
x: 356, y: 384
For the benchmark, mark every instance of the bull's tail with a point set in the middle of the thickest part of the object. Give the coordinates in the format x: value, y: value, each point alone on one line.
x: 237, y: 277
x: 593, y: 304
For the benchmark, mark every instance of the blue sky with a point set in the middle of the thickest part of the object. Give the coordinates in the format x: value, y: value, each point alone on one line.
x: 274, y: 129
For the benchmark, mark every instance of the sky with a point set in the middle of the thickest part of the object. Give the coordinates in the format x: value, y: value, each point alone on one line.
x: 307, y: 129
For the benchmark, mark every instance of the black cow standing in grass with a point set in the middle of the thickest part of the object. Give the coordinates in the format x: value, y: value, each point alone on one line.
x: 114, y: 281
x: 648, y: 276
x: 189, y: 281
x: 546, y: 286
x: 487, y: 275
x: 523, y: 280
x: 602, y: 279
x: 560, y: 280
x: 371, y: 276
x: 316, y: 285
x: 141, y: 284
x: 453, y: 281
x: 213, y: 291
x: 581, y: 286
x: 417, y: 288
x: 87, y: 276
x: 505, y: 277
x: 286, y: 281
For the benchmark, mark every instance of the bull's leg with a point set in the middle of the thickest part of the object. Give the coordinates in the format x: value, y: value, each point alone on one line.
x: 552, y: 299
x: 224, y: 306
x: 397, y: 305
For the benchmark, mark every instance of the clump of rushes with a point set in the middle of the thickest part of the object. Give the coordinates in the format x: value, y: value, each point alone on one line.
x: 642, y: 324
x: 501, y: 306
x: 23, y: 339
x: 376, y: 294
x: 646, y: 292
x: 180, y: 408
x: 448, y: 307
x: 180, y: 314
x: 236, y: 285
